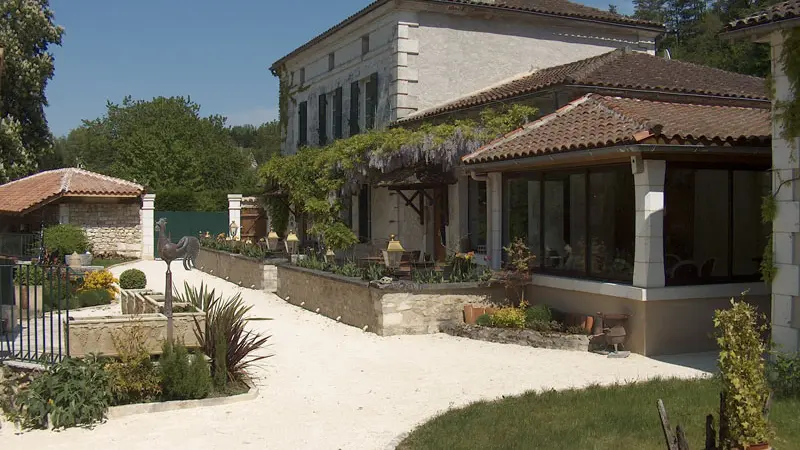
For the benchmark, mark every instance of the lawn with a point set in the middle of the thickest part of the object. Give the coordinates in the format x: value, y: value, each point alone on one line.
x: 107, y: 262
x: 617, y: 417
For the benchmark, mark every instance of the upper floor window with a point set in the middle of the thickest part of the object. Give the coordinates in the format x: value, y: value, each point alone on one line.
x: 355, y: 108
x: 323, y: 119
x: 337, y: 113
x: 364, y: 44
x: 331, y: 61
x: 371, y: 101
x: 302, y: 126
x: 302, y: 75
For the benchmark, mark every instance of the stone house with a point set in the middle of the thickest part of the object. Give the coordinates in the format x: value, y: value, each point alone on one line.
x: 769, y: 26
x: 395, y: 58
x: 109, y: 209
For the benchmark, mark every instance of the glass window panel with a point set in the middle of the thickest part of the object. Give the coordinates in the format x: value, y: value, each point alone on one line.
x: 749, y: 233
x: 523, y: 217
x: 565, y: 223
x: 611, y: 224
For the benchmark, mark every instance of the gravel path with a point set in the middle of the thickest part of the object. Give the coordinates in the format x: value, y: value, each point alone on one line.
x: 331, y: 386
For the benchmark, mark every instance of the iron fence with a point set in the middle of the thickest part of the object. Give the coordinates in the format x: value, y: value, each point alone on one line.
x: 19, y: 245
x: 34, y: 312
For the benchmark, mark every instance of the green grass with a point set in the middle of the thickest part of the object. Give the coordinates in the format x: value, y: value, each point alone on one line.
x: 106, y: 262
x: 616, y: 417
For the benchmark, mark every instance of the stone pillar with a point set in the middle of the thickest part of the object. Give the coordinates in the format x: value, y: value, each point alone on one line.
x: 148, y: 226
x: 63, y: 213
x: 494, y: 216
x: 458, y: 214
x: 235, y: 213
x: 648, y: 180
x: 786, y: 226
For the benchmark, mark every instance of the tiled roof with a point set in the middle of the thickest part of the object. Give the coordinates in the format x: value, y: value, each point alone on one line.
x: 775, y: 13
x: 620, y: 69
x: 595, y: 121
x: 26, y: 193
x: 562, y: 8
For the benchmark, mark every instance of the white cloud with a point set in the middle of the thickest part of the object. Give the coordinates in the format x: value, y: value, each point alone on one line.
x: 254, y: 116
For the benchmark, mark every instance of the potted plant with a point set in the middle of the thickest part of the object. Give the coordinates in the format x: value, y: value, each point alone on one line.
x: 28, y: 282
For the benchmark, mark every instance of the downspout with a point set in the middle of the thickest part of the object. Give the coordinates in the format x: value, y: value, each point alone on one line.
x: 478, y: 178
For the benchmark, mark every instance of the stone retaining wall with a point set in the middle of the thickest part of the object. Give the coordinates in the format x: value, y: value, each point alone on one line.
x: 558, y: 341
x: 247, y: 272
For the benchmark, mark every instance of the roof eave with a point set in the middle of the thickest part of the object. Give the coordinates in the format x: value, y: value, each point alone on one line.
x: 759, y: 30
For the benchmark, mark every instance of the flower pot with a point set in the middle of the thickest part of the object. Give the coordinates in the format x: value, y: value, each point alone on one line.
x: 472, y: 312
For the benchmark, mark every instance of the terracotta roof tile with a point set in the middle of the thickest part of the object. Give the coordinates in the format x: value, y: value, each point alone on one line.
x: 26, y: 193
x: 595, y: 121
x: 562, y: 8
x: 620, y: 69
x: 775, y: 13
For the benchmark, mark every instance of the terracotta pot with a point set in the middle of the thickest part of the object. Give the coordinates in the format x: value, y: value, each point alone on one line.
x: 472, y: 312
x: 588, y: 323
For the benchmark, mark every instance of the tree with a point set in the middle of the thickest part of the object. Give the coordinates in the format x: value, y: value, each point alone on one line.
x: 26, y: 32
x: 261, y: 143
x: 612, y: 8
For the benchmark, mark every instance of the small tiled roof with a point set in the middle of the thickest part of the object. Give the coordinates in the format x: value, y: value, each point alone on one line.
x: 38, y: 189
x: 563, y: 8
x: 620, y: 69
x: 595, y: 121
x: 775, y: 13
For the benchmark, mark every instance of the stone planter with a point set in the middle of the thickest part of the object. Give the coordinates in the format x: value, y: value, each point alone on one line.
x: 128, y: 299
x: 247, y: 272
x: 530, y: 338
x: 86, y: 259
x: 73, y: 260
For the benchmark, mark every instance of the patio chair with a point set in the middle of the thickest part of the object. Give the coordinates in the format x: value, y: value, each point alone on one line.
x: 707, y: 269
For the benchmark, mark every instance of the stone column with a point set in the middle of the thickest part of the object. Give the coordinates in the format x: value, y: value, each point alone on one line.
x: 148, y: 226
x: 494, y: 216
x: 786, y: 226
x: 63, y: 213
x: 235, y: 212
x: 648, y: 180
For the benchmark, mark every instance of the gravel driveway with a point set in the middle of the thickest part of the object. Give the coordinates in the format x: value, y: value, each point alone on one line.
x: 331, y: 386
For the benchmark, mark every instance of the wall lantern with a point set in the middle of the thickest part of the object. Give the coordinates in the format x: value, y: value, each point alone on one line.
x: 272, y: 240
x: 395, y: 251
x: 329, y: 256
x: 291, y: 243
x: 234, y: 229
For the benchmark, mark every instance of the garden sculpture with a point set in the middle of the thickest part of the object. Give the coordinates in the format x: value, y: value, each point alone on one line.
x: 187, y: 248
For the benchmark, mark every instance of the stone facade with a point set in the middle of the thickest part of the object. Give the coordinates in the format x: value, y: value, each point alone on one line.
x: 111, y: 227
x: 246, y: 272
x: 558, y: 341
x: 423, y: 313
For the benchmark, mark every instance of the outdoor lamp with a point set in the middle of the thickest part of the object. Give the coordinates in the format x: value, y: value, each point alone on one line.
x: 395, y: 251
x: 329, y: 255
x: 291, y: 243
x: 233, y: 228
x: 272, y: 240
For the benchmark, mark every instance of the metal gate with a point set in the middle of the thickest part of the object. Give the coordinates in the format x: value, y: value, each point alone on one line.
x: 192, y: 223
x: 34, y: 307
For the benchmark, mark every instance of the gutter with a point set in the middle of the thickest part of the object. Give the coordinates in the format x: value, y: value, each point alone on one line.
x: 760, y: 29
x: 589, y: 155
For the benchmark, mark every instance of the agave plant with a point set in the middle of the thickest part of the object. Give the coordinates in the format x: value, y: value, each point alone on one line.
x: 225, y: 325
x: 199, y: 298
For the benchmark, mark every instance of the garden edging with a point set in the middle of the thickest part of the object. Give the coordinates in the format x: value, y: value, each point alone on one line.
x: 530, y: 338
x: 116, y: 412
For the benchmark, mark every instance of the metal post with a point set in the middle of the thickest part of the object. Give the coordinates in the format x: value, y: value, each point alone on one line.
x: 168, y: 304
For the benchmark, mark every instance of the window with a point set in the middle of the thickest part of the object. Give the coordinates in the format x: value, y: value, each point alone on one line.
x: 347, y: 210
x: 302, y: 75
x: 372, y: 101
x: 712, y: 226
x: 323, y: 119
x: 575, y: 222
x: 364, y: 215
x: 364, y: 45
x: 355, y: 108
x: 302, y: 125
x: 477, y: 215
x: 331, y: 61
x: 337, y: 113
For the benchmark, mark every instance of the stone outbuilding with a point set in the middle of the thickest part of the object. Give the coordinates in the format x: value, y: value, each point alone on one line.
x: 109, y: 209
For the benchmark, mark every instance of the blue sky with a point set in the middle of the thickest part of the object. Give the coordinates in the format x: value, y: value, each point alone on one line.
x: 217, y: 52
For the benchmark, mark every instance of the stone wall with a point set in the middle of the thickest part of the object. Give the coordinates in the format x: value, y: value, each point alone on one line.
x: 112, y: 227
x: 558, y: 341
x: 242, y: 270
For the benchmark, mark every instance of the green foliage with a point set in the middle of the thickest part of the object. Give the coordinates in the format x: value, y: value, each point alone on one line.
x: 133, y: 377
x: 374, y: 272
x: 278, y: 212
x: 220, y: 360
x: 542, y: 326
x: 783, y: 373
x: 463, y: 268
x: 182, y: 377
x: 742, y: 371
x: 29, y: 275
x: 538, y: 313
x: 423, y: 276
x: 132, y: 279
x: 788, y: 111
x: 74, y: 392
x: 484, y: 320
x: 313, y: 262
x: 509, y: 318
x: 576, y: 329
x: 246, y: 248
x: 93, y: 297
x: 200, y: 298
x: 338, y: 236
x: 348, y: 269
x: 226, y: 321
x: 66, y: 239
x: 26, y: 32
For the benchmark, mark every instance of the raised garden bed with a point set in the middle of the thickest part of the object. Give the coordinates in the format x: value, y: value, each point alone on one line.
x: 530, y: 338
x: 247, y: 272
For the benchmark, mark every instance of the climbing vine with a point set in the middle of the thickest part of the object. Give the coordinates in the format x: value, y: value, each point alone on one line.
x: 787, y: 112
x: 316, y: 178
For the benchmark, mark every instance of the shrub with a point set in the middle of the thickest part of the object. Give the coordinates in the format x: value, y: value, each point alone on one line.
x: 784, y: 375
x: 132, y: 279
x: 743, y: 374
x: 509, y: 317
x: 576, y: 329
x: 101, y: 279
x: 29, y: 275
x: 220, y: 361
x: 183, y: 378
x: 93, y: 297
x: 484, y: 320
x: 65, y: 239
x: 538, y: 313
x: 542, y: 327
x: 133, y: 378
x: 225, y: 317
x: 199, y: 298
x: 73, y: 392
x: 349, y: 269
x: 374, y: 272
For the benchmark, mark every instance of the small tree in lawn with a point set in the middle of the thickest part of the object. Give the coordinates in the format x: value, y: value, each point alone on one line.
x: 742, y: 370
x: 517, y: 271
